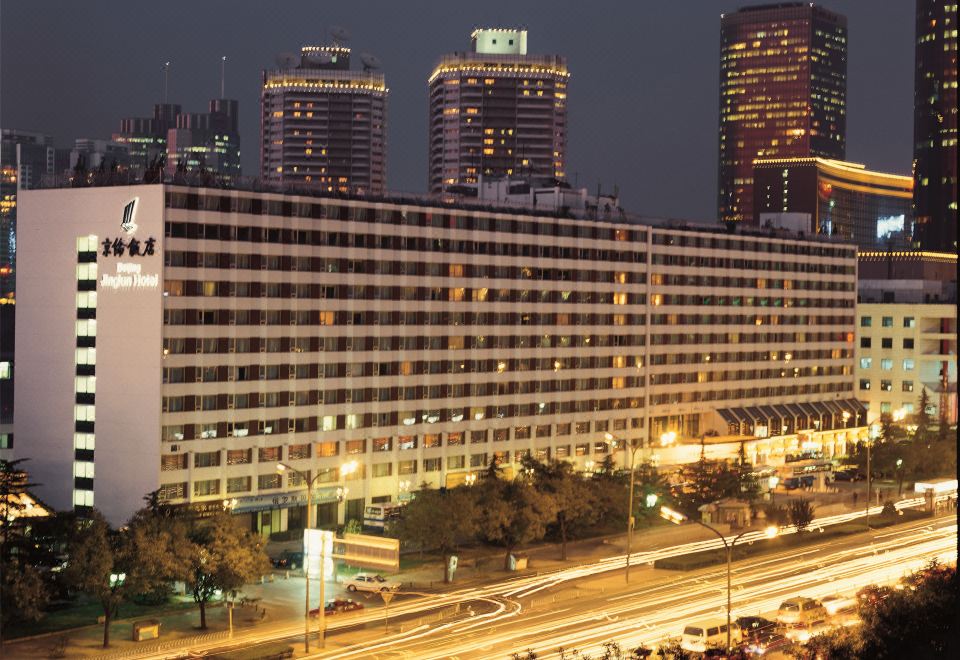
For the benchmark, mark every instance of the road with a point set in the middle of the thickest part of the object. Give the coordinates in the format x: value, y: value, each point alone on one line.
x: 586, y: 606
x: 603, y: 611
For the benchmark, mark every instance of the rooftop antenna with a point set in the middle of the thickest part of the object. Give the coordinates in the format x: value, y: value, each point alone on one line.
x: 223, y: 75
x: 339, y: 34
x: 166, y: 79
x: 370, y: 61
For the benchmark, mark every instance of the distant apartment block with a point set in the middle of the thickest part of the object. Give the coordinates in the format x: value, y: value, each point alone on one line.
x: 323, y: 123
x: 496, y: 111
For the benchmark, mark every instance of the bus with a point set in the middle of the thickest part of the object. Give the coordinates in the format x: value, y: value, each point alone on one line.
x: 376, y: 517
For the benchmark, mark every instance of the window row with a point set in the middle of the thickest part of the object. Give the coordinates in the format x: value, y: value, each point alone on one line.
x: 887, y: 385
x: 785, y: 356
x: 751, y: 393
x: 187, y: 345
x: 746, y: 374
x: 657, y: 299
x: 748, y: 319
x: 313, y: 264
x: 419, y: 244
x: 738, y: 264
x: 713, y: 281
x: 302, y: 208
x: 776, y: 338
x: 318, y: 317
x: 257, y: 427
x: 230, y: 401
x: 254, y: 372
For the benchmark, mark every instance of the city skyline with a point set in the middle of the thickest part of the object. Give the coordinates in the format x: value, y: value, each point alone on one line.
x: 630, y: 70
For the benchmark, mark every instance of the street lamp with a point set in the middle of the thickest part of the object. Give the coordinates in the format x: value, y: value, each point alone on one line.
x: 345, y: 469
x: 677, y: 518
x: 635, y: 446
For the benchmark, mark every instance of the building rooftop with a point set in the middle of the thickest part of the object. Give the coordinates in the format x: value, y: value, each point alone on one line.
x: 257, y: 185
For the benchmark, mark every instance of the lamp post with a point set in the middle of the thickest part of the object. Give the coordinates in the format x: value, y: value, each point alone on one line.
x: 769, y: 532
x: 635, y: 445
x: 345, y: 469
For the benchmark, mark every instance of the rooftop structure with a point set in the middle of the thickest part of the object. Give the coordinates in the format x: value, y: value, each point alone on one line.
x: 872, y: 209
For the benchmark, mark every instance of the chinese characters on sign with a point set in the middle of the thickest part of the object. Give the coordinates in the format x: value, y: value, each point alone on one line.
x: 134, y: 248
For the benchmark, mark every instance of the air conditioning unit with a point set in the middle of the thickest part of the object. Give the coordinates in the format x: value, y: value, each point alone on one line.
x: 174, y: 448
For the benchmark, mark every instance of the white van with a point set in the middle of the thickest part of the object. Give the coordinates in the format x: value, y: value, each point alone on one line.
x: 698, y: 637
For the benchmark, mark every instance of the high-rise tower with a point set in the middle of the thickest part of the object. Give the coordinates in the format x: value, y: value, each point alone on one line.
x: 323, y: 123
x: 497, y: 111
x: 935, y: 126
x: 783, y: 88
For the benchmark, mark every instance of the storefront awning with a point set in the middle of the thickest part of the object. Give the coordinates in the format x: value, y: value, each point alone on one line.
x: 728, y: 416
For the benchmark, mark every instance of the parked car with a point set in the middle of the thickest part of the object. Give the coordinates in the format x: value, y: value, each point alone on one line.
x: 753, y: 627
x: 337, y: 605
x: 369, y: 582
x: 849, y: 475
x: 801, y: 611
x: 291, y: 559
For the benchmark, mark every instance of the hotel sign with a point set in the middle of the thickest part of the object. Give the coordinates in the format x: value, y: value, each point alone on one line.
x: 128, y: 275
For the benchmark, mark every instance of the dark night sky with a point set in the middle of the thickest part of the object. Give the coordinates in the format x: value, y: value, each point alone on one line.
x: 643, y: 98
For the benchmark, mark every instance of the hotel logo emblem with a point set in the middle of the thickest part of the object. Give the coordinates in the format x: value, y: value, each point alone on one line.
x: 128, y: 223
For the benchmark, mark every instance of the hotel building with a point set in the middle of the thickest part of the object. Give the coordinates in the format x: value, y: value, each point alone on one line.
x: 783, y: 89
x: 496, y: 112
x: 871, y: 209
x: 322, y: 123
x: 188, y: 339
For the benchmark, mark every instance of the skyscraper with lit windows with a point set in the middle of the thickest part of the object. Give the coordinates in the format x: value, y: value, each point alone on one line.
x: 497, y: 111
x: 783, y: 87
x: 323, y: 123
x: 935, y: 126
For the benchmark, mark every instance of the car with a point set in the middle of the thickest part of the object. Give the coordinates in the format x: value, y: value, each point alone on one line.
x: 370, y: 582
x: 337, y: 605
x: 753, y: 627
x: 700, y: 636
x: 291, y: 559
x: 849, y: 475
x: 767, y: 642
x: 801, y: 611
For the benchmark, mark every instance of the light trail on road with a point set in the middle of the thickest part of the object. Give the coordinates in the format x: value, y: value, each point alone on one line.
x: 653, y: 613
x: 508, y: 593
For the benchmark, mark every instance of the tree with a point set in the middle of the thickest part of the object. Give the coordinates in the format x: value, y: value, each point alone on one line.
x: 801, y: 513
x: 23, y: 592
x: 572, y: 500
x: 704, y: 482
x: 439, y: 520
x: 512, y: 514
x: 776, y: 515
x: 220, y: 556
x: 915, y: 622
x: 13, y: 483
x: 112, y: 565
